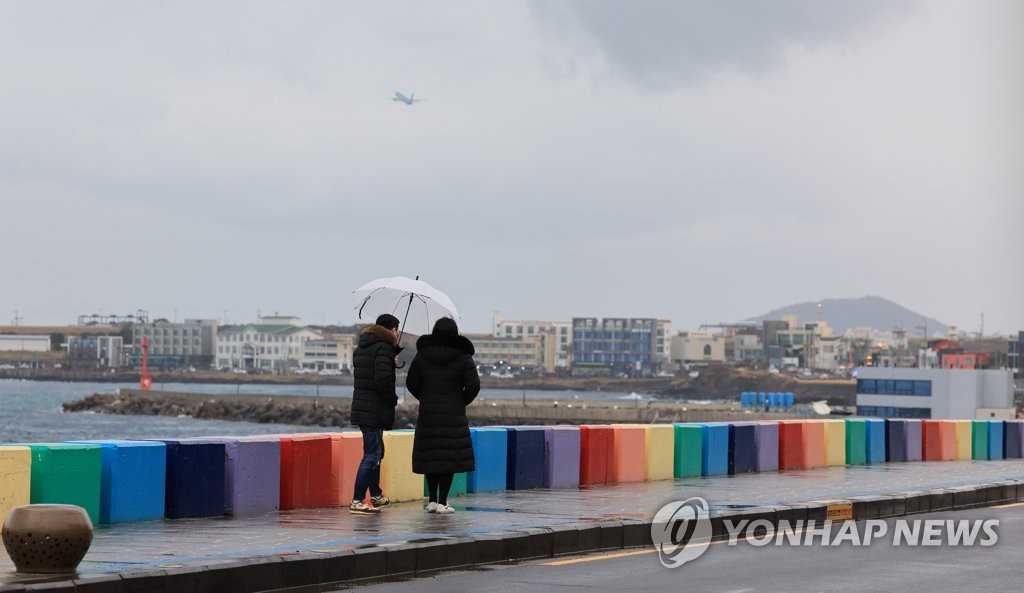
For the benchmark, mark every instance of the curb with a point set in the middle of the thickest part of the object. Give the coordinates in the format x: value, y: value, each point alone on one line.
x: 422, y: 556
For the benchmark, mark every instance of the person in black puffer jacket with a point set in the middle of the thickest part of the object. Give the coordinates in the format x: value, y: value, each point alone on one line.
x: 444, y: 379
x: 373, y: 406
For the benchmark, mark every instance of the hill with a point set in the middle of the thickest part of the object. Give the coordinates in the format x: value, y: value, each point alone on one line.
x: 870, y: 311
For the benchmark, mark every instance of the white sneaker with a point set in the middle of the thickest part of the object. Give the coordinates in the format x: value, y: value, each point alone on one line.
x: 431, y: 507
x: 445, y: 509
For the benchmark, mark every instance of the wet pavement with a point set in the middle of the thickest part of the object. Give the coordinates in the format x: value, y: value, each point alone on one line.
x: 142, y: 547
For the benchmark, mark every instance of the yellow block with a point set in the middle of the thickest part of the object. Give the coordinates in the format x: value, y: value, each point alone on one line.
x: 661, y: 440
x: 15, y: 478
x: 396, y: 477
x: 964, y: 440
x: 835, y: 442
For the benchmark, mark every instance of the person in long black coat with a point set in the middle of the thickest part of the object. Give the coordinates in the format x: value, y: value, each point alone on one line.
x: 444, y: 379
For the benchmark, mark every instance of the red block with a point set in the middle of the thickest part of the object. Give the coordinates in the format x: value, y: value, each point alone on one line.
x: 791, y: 444
x: 932, y: 436
x: 305, y: 471
x: 629, y: 454
x: 595, y: 454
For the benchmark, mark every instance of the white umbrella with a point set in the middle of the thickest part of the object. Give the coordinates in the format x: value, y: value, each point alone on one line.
x: 415, y: 302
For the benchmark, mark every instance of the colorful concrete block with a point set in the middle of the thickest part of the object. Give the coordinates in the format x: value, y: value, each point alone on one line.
x: 16, y: 485
x: 1013, y: 439
x: 856, y: 441
x: 490, y: 450
x: 912, y: 439
x: 306, y: 471
x: 814, y: 443
x: 791, y: 444
x: 766, y: 446
x: 835, y: 442
x: 979, y: 439
x: 874, y: 440
x: 895, y: 440
x: 252, y: 474
x: 595, y: 454
x: 714, y: 449
x: 194, y: 484
x: 628, y: 452
x: 932, y: 440
x: 397, y: 479
x: 659, y: 452
x: 351, y: 455
x: 561, y: 456
x: 132, y: 480
x: 995, y: 439
x: 742, y: 455
x: 963, y: 439
x: 686, y: 450
x: 524, y: 468
x: 65, y: 473
x: 948, y: 440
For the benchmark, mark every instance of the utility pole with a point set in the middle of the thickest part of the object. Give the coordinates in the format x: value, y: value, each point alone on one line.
x: 17, y: 318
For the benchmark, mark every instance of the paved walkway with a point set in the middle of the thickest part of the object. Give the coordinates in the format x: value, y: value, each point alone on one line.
x: 134, y: 548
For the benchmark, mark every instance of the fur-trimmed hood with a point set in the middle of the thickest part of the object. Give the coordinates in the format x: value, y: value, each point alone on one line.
x: 366, y: 337
x: 443, y: 348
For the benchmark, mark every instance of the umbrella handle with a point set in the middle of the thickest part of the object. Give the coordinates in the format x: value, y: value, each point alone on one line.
x: 409, y: 306
x: 401, y: 366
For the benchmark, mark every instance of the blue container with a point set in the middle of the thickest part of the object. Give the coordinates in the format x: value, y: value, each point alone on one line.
x: 490, y: 448
x: 741, y: 448
x: 895, y: 442
x: 714, y: 448
x: 874, y: 439
x: 762, y: 399
x: 525, y: 465
x: 788, y: 400
x: 194, y: 485
x: 995, y: 439
x: 1012, y: 439
x: 131, y: 480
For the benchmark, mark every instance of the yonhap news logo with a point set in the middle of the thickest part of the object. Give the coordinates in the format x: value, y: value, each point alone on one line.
x: 681, y: 531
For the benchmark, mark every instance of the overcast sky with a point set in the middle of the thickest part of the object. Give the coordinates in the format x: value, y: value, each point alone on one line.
x: 695, y: 161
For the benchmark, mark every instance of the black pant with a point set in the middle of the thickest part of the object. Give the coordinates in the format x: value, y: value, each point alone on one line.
x: 438, y: 486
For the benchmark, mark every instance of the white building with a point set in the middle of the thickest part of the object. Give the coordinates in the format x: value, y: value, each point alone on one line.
x: 934, y: 393
x: 24, y: 343
x: 334, y: 352
x: 276, y: 345
x: 175, y: 344
x: 555, y: 346
x: 697, y: 346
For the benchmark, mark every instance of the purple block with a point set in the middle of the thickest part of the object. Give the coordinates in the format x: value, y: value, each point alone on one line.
x: 561, y: 456
x: 253, y: 475
x: 766, y: 446
x: 912, y: 439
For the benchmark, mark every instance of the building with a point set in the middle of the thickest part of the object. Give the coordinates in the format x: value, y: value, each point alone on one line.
x: 555, y: 343
x: 96, y: 352
x: 1016, y: 348
x: 513, y: 353
x: 276, y: 345
x: 24, y: 343
x: 934, y: 393
x: 696, y: 346
x: 746, y: 347
x: 333, y: 352
x: 174, y: 345
x: 619, y: 346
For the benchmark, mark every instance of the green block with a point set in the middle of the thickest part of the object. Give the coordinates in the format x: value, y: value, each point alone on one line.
x: 856, y: 441
x: 687, y: 457
x: 458, y: 485
x: 979, y: 439
x: 65, y: 473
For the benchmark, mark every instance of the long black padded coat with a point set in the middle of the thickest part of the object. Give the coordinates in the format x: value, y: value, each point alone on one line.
x: 443, y: 378
x: 373, y: 374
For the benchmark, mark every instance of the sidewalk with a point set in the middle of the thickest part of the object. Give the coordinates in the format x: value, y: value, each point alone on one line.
x: 306, y: 547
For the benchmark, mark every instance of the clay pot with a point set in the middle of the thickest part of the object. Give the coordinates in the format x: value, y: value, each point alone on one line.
x: 47, y: 538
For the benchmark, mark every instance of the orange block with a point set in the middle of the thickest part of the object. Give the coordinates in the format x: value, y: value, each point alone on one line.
x: 948, y: 440
x: 814, y: 444
x: 305, y: 471
x: 629, y: 449
x: 932, y: 435
x: 351, y: 455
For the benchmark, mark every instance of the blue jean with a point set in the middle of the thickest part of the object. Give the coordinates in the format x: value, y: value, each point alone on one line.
x: 368, y: 474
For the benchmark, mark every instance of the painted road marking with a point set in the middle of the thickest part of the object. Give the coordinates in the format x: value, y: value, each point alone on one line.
x: 1008, y: 506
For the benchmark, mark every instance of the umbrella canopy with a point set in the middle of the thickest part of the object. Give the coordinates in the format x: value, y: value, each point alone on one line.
x: 415, y: 302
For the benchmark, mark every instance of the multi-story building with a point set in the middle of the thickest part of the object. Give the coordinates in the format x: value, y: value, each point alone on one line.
x: 514, y: 352
x: 275, y: 345
x: 333, y: 352
x: 173, y: 345
x: 555, y: 343
x: 96, y: 352
x: 618, y: 345
x: 746, y: 347
x: 697, y: 346
x: 1014, y: 353
x: 788, y: 340
x: 934, y: 393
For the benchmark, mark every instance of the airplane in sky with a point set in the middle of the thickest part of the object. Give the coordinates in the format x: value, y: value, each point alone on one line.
x: 407, y: 100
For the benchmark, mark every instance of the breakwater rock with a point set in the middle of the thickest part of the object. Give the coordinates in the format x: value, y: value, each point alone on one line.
x: 263, y: 409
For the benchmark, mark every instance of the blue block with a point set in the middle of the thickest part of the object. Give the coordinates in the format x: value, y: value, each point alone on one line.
x: 490, y: 448
x: 995, y: 439
x: 874, y: 437
x: 741, y: 448
x: 525, y: 465
x: 714, y: 448
x: 912, y: 439
x: 895, y: 442
x: 1012, y: 440
x: 131, y: 480
x: 195, y: 479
